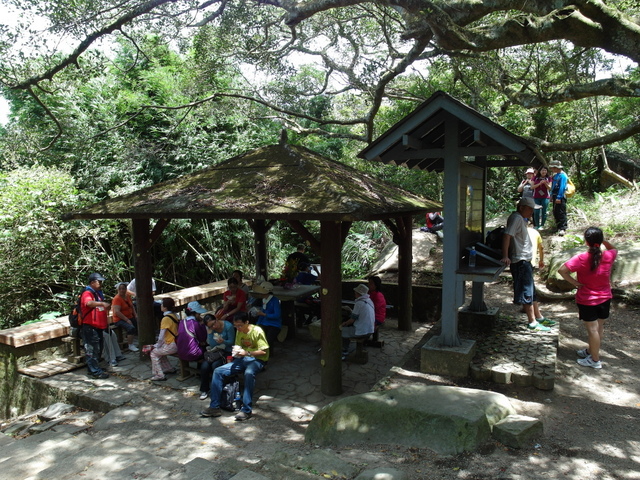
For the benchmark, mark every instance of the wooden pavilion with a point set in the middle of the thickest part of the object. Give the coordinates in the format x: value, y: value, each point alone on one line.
x: 277, y: 182
x: 445, y: 135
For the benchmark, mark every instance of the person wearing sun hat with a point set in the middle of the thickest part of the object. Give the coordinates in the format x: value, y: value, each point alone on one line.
x: 526, y: 186
x: 361, y: 321
x: 517, y: 253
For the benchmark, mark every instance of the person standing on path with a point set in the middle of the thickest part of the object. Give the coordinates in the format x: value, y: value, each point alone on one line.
x: 94, y: 324
x: 593, y: 271
x: 541, y: 195
x: 526, y: 186
x: 517, y: 253
x: 558, y: 198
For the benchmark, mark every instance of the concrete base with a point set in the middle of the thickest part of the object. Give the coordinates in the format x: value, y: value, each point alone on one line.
x: 477, y: 321
x: 453, y: 361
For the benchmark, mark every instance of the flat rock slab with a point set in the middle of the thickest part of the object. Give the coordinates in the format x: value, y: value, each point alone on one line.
x: 517, y: 431
x: 448, y: 420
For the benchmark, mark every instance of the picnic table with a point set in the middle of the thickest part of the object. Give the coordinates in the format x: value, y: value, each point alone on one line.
x: 198, y: 293
x: 288, y: 297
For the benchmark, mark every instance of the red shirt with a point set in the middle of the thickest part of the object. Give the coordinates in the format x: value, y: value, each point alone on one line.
x: 94, y: 316
x: 379, y: 305
x: 241, y: 297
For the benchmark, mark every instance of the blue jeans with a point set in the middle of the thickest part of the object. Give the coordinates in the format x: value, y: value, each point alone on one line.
x: 130, y: 328
x: 92, y: 339
x: 250, y: 366
x: 524, y: 290
x: 540, y: 214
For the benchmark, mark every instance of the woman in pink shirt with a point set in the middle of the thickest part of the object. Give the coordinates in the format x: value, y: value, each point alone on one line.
x: 593, y: 269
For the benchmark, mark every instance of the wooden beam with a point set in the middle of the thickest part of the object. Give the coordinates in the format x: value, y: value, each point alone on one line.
x: 301, y: 230
x: 331, y: 300
x: 409, y: 141
x: 157, y: 231
x: 405, y: 272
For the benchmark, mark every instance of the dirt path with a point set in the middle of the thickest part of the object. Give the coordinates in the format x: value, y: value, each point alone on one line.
x: 591, y: 418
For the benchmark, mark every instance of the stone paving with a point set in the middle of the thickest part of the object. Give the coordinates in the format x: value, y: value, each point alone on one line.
x: 512, y: 353
x: 293, y: 373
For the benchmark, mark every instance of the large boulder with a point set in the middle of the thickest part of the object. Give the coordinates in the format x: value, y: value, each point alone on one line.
x: 448, y: 420
x: 624, y: 274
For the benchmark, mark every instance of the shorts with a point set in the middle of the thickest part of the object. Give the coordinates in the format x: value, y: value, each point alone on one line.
x: 524, y: 290
x: 591, y: 313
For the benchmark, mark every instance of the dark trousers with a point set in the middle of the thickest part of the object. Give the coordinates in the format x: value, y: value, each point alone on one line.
x: 560, y: 213
x: 93, y: 339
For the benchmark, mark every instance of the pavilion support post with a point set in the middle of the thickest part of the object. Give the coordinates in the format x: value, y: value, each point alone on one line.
x: 405, y: 267
x: 331, y: 297
x: 143, y: 273
x: 260, y: 230
x: 452, y: 288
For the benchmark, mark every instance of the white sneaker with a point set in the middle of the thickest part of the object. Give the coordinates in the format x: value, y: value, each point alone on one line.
x: 203, y: 395
x: 582, y: 353
x: 133, y: 348
x: 589, y: 362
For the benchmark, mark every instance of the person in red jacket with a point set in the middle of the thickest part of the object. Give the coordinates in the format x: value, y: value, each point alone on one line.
x: 95, y: 311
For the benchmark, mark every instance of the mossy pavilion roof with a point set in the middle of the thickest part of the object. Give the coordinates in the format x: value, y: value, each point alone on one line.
x: 281, y: 182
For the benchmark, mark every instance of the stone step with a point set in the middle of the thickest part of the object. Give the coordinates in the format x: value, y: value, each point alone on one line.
x: 109, y: 460
x: 28, y: 456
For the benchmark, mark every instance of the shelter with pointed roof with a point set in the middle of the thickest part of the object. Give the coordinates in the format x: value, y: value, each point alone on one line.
x: 277, y: 182
x: 445, y: 135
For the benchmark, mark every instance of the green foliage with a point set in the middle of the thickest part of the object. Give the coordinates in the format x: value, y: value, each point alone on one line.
x: 42, y: 257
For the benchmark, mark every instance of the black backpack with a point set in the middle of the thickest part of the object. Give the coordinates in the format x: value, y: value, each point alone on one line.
x: 229, y: 397
x: 494, y: 238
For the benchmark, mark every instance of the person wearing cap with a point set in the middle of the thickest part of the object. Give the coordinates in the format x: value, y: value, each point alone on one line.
x: 526, y: 186
x: 361, y: 321
x: 234, y: 300
x: 95, y: 322
x: 517, y: 253
x: 268, y: 313
x: 192, y: 334
x: 250, y: 355
x: 124, y: 314
x: 541, y: 195
x: 558, y: 198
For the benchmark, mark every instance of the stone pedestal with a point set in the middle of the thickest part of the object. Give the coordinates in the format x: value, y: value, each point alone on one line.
x: 440, y: 360
x: 477, y: 321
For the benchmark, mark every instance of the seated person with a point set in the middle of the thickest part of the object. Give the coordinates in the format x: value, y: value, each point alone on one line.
x: 220, y: 338
x: 299, y: 256
x: 379, y: 306
x: 234, y: 300
x: 305, y: 277
x: 361, y: 321
x: 124, y: 314
x: 111, y: 352
x: 268, y: 313
x: 251, y: 353
x: 192, y: 334
x: 435, y: 223
x: 166, y: 344
x: 237, y: 274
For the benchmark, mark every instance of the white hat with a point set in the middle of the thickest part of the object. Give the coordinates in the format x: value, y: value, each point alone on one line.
x: 362, y: 289
x: 264, y: 287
